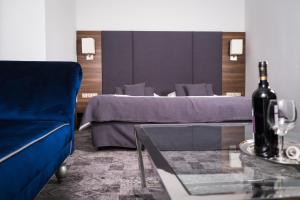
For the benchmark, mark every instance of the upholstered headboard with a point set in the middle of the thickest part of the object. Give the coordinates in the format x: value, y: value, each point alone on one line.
x: 161, y: 59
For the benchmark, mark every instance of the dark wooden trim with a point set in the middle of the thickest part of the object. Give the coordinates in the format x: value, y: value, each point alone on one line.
x: 92, y: 69
x: 233, y: 72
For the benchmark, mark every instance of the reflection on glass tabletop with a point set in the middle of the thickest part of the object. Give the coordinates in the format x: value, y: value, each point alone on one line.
x: 207, y: 161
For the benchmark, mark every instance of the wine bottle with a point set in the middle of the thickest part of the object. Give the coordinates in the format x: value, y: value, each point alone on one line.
x: 265, y: 140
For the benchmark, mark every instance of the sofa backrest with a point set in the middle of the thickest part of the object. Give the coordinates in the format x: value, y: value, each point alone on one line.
x: 35, y: 90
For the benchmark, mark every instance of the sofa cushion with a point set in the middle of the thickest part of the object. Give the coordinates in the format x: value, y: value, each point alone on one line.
x: 39, y: 90
x: 24, y: 173
x: 17, y: 135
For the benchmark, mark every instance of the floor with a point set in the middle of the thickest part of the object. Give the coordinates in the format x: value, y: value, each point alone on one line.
x: 103, y: 175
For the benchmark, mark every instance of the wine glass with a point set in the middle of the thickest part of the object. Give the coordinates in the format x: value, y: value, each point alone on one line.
x: 281, y: 116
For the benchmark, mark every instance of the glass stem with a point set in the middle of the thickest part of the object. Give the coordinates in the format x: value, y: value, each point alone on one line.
x: 281, y: 152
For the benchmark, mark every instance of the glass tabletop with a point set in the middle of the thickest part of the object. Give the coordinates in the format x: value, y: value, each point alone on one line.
x: 206, y: 160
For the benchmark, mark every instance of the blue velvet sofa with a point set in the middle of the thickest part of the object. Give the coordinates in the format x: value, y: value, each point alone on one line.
x: 37, y: 105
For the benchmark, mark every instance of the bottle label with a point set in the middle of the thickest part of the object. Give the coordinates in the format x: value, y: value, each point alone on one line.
x: 263, y: 78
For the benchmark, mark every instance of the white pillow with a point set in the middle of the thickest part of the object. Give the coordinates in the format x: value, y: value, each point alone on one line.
x: 121, y: 95
x: 172, y: 94
x: 156, y: 95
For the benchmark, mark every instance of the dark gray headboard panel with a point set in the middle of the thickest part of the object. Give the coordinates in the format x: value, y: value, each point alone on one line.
x: 161, y: 59
x: 117, y: 53
x: 207, y: 59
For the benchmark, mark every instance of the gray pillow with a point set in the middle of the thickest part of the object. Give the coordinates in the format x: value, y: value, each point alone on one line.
x: 135, y: 89
x: 179, y: 89
x: 118, y: 90
x: 149, y: 91
x: 209, y: 89
x: 196, y: 89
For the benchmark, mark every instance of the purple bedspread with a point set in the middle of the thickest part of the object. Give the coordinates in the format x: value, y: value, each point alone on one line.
x: 107, y: 108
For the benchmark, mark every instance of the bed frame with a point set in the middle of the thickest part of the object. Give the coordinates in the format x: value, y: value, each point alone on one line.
x: 159, y: 58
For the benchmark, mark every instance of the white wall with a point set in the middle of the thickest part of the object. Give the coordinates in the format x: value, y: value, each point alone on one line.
x: 37, y: 30
x: 272, y: 33
x: 60, y: 30
x: 22, y: 30
x: 45, y: 29
x: 184, y: 15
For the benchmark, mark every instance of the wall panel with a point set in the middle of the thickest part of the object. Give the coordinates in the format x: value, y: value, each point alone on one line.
x: 117, y: 59
x: 91, y: 69
x: 207, y: 59
x: 233, y: 72
x: 162, y: 59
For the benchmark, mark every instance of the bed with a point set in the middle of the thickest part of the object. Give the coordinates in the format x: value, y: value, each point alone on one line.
x: 112, y: 117
x: 160, y: 59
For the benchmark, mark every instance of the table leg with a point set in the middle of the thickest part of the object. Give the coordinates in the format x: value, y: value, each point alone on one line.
x: 140, y: 157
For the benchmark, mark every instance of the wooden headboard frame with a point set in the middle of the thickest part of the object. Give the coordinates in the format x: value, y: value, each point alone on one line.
x: 233, y: 72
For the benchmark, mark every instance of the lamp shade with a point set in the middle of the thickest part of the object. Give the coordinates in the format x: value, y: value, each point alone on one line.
x: 236, y: 47
x: 87, y: 45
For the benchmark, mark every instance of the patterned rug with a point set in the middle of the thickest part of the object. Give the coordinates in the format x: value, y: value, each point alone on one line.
x: 103, y: 175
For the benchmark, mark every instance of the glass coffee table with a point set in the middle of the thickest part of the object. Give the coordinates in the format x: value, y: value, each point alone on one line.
x: 203, y: 161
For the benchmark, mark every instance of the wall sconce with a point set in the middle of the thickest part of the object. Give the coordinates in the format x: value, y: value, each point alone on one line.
x: 236, y: 49
x: 88, y: 47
